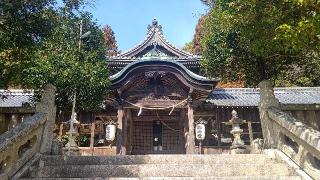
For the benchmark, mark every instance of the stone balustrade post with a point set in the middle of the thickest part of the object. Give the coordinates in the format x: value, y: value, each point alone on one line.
x: 47, y: 105
x: 267, y: 100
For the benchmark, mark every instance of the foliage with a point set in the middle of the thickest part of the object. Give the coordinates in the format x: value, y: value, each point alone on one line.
x: 22, y: 25
x: 110, y: 41
x: 200, y: 32
x: 65, y: 140
x: 83, y: 140
x: 195, y: 47
x: 188, y: 47
x: 72, y: 67
x: 257, y: 40
x: 208, y: 2
x: 39, y: 44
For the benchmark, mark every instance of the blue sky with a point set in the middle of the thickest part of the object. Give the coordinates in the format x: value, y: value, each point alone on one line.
x: 129, y: 19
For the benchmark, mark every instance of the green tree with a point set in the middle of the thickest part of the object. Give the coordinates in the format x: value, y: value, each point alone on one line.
x: 257, y: 40
x: 72, y: 67
x: 22, y: 26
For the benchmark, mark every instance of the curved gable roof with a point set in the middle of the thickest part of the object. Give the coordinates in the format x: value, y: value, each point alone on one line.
x: 155, y: 40
x: 193, y: 80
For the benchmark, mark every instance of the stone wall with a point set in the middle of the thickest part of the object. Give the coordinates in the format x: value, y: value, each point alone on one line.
x: 24, y: 143
x: 294, y: 137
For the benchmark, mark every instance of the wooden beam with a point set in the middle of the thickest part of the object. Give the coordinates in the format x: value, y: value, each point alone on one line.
x: 190, y: 139
x: 93, y: 126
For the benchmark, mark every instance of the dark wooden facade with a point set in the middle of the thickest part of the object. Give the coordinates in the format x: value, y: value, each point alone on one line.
x: 155, y: 99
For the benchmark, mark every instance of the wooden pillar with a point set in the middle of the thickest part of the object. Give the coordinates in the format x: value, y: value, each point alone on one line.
x: 124, y: 133
x: 182, y: 125
x: 93, y: 126
x: 119, y: 130
x: 130, y: 133
x: 190, y: 138
x: 250, y: 131
x: 218, y: 127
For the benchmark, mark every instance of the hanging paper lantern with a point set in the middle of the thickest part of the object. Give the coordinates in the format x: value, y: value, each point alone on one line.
x: 110, y: 132
x: 200, y: 132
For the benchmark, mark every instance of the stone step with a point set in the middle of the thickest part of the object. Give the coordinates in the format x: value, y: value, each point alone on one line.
x: 162, y: 170
x: 181, y: 178
x: 155, y: 159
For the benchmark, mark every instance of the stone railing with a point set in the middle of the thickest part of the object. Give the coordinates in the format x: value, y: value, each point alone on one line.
x: 280, y: 130
x: 26, y: 142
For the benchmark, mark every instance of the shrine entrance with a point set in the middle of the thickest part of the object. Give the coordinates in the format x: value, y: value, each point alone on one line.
x: 155, y: 100
x: 155, y: 132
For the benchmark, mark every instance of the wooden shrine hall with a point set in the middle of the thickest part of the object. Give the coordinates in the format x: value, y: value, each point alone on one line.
x: 156, y: 98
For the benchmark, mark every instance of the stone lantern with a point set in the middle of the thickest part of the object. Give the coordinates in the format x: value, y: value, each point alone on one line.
x: 237, y: 146
x: 72, y: 147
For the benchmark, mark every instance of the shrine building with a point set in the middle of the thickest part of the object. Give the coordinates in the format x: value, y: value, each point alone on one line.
x: 157, y: 97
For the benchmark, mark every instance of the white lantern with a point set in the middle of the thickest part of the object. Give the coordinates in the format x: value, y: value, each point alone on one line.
x: 110, y: 132
x: 200, y: 132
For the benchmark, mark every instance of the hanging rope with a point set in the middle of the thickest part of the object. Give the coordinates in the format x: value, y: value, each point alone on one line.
x: 166, y: 125
x: 158, y: 108
x: 176, y: 130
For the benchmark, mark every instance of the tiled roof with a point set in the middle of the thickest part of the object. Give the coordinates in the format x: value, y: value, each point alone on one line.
x: 16, y: 98
x: 219, y: 97
x: 251, y: 96
x: 154, y: 37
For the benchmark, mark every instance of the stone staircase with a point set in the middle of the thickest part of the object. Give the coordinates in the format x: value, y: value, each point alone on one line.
x: 222, y: 166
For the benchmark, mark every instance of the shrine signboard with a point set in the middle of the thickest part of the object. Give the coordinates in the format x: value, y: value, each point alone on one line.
x: 200, y: 132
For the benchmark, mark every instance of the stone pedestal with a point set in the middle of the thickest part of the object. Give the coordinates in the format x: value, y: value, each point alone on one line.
x: 71, y: 147
x: 237, y: 146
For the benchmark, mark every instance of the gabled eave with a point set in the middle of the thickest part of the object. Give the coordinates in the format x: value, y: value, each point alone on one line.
x: 155, y: 37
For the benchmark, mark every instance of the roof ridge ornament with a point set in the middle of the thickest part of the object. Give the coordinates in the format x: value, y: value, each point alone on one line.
x: 155, y: 26
x: 154, y: 21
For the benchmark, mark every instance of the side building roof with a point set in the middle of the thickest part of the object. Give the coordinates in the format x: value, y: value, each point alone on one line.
x: 16, y: 98
x: 242, y: 97
x: 247, y: 97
